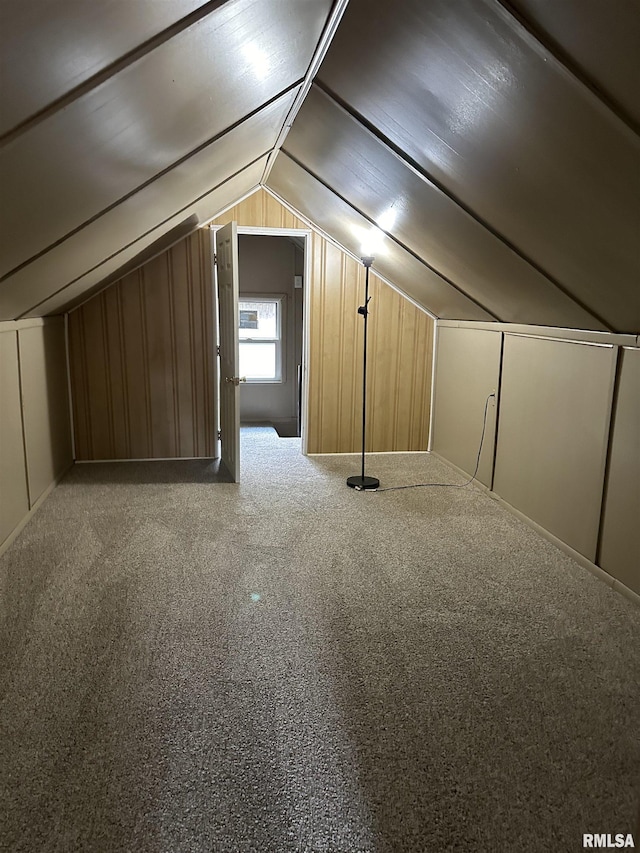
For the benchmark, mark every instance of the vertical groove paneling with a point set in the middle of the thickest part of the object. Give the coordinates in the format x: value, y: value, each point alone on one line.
x: 141, y: 355
x: 142, y: 307
x: 400, y: 425
x: 412, y: 370
x: 126, y: 450
x: 345, y: 395
x: 77, y: 370
x: 208, y: 331
x: 157, y: 310
x: 133, y: 356
x: 315, y: 330
x: 152, y: 377
x: 192, y: 355
x: 108, y: 373
x: 199, y: 347
x: 174, y: 359
x: 354, y: 284
x: 184, y: 356
x: 97, y: 396
x: 113, y: 339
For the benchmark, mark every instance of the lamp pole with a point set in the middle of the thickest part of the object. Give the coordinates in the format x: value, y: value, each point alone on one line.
x: 362, y: 482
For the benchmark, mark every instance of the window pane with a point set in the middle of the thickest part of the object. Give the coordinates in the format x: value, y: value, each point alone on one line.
x: 258, y: 361
x: 258, y: 320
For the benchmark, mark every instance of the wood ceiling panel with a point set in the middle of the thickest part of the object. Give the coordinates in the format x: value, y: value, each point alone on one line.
x: 602, y: 40
x: 345, y: 156
x: 206, y: 208
x: 47, y: 49
x: 467, y: 94
x: 343, y: 223
x: 172, y: 194
x: 68, y: 169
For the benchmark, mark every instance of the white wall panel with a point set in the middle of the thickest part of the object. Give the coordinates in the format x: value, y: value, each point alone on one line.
x: 45, y: 398
x: 620, y: 543
x: 14, y: 498
x: 467, y: 371
x: 555, y: 410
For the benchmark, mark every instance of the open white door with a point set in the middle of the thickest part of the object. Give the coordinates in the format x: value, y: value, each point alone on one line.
x: 227, y: 272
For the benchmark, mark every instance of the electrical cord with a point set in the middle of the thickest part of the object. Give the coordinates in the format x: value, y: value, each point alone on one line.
x: 445, y: 485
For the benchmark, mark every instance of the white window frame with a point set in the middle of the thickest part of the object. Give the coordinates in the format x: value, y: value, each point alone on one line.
x: 280, y: 300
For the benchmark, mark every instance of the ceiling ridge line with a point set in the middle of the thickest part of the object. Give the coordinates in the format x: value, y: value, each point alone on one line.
x: 324, y: 42
x: 391, y: 237
x: 564, y: 59
x: 145, y: 234
x: 109, y: 71
x: 150, y: 181
x: 421, y: 173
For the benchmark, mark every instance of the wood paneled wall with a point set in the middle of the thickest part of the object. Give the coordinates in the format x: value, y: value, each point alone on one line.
x: 142, y: 360
x: 400, y: 348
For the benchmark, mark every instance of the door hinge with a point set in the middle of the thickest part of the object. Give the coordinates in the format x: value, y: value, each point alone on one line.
x: 218, y: 350
x: 215, y: 260
x: 219, y: 434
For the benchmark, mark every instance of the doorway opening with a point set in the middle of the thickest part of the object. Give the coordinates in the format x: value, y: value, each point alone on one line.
x: 271, y: 330
x: 271, y: 333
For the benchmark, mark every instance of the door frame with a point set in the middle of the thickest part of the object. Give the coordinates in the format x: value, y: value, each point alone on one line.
x: 306, y: 234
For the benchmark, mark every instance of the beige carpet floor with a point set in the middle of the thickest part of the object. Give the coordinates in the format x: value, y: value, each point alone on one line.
x: 289, y: 665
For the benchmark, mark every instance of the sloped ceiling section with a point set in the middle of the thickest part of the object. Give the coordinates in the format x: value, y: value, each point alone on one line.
x: 494, y: 146
x: 495, y: 142
x: 123, y: 120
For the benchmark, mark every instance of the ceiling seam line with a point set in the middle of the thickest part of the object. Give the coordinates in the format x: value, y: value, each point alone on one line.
x: 391, y: 237
x: 564, y: 59
x: 424, y: 175
x: 111, y: 70
x: 147, y: 183
x: 144, y: 234
x: 322, y: 46
x: 286, y: 126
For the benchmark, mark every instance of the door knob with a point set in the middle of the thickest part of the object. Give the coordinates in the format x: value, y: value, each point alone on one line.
x: 236, y: 380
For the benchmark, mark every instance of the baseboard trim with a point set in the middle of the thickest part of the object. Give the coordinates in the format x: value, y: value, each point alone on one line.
x: 579, y: 558
x: 150, y: 459
x: 27, y: 518
x: 377, y: 453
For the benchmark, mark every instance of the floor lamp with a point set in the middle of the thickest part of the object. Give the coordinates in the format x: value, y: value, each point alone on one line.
x: 361, y: 482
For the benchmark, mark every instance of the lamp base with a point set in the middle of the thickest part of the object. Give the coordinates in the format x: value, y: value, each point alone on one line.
x: 363, y: 482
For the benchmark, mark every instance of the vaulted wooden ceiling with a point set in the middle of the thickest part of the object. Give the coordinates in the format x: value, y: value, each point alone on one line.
x: 495, y: 144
